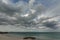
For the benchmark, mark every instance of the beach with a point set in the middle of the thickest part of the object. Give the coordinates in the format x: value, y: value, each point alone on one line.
x: 4, y: 37
x: 37, y: 35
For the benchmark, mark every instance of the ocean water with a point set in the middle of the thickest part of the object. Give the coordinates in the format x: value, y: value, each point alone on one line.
x: 38, y: 35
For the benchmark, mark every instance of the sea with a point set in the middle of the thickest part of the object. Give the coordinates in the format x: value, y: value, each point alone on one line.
x: 37, y: 35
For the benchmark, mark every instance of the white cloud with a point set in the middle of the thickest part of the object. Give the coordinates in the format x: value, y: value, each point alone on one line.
x: 5, y: 1
x: 31, y: 2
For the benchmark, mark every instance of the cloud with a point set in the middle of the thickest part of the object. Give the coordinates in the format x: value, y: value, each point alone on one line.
x: 28, y: 14
x: 51, y: 24
x: 12, y: 13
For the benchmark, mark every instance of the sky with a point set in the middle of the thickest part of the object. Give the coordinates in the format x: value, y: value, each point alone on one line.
x: 30, y: 15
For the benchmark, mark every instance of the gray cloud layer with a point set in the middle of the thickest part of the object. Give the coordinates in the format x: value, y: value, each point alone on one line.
x: 28, y: 15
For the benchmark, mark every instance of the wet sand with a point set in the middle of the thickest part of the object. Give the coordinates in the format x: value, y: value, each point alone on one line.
x: 4, y: 37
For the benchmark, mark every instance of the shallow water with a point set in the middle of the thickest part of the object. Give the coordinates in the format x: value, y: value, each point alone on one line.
x: 38, y: 35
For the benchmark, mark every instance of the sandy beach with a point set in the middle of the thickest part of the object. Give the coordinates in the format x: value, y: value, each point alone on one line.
x: 4, y: 37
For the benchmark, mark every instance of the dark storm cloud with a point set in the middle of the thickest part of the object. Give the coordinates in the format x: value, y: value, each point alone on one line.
x: 51, y: 24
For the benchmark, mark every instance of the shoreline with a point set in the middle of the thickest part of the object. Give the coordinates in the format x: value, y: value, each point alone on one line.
x: 9, y: 37
x: 5, y: 37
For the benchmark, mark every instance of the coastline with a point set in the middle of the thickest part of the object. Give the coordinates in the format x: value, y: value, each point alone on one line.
x: 21, y: 35
x: 5, y: 37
